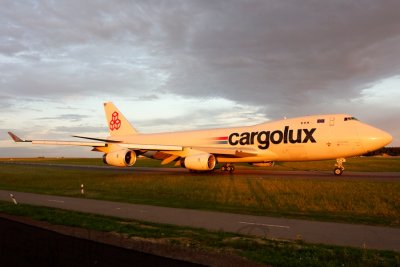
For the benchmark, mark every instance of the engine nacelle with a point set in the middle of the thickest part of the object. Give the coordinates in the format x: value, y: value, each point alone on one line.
x: 120, y: 158
x: 199, y: 162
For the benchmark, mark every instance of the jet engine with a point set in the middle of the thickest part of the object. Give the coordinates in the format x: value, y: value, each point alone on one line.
x: 199, y: 162
x: 120, y: 158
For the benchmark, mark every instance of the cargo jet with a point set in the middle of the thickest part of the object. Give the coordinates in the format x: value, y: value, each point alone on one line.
x: 309, y: 138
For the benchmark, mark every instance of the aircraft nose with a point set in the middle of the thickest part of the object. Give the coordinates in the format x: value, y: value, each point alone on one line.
x: 373, y: 138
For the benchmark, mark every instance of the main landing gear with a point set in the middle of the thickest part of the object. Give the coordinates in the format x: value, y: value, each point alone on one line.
x: 228, y: 168
x: 339, y: 168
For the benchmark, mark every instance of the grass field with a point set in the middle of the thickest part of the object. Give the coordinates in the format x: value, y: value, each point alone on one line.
x: 262, y: 250
x: 332, y: 199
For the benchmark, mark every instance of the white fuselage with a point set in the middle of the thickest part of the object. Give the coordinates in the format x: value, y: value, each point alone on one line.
x: 306, y: 138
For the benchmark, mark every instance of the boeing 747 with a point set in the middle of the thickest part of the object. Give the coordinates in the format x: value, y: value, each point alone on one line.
x: 309, y: 138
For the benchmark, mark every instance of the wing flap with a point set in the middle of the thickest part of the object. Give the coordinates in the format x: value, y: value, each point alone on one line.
x: 169, y: 159
x: 151, y: 147
x: 155, y: 147
x: 240, y: 153
x: 67, y: 143
x: 97, y: 139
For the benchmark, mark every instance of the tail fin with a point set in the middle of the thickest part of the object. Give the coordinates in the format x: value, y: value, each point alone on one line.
x: 117, y: 123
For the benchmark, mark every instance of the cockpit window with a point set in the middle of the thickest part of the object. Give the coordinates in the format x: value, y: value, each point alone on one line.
x: 350, y: 119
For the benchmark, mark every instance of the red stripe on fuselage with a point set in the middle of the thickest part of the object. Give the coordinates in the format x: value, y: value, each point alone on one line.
x: 220, y: 138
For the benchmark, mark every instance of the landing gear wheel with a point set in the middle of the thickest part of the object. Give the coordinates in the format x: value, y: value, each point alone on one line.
x: 231, y: 168
x: 339, y: 168
x: 228, y: 168
x: 338, y: 171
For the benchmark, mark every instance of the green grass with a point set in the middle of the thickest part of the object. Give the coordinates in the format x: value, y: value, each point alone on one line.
x: 275, y: 253
x: 331, y: 199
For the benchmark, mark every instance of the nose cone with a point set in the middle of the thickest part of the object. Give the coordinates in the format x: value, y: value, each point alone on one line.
x: 373, y: 138
x: 386, y: 138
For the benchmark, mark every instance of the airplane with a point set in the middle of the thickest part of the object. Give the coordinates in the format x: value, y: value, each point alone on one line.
x: 308, y: 138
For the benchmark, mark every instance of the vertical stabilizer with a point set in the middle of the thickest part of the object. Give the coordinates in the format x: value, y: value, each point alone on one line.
x: 116, y: 122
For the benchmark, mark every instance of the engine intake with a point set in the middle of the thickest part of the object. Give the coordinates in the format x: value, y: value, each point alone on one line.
x: 120, y: 158
x: 199, y: 162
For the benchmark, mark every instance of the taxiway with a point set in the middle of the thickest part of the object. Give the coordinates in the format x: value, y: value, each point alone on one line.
x: 374, y: 237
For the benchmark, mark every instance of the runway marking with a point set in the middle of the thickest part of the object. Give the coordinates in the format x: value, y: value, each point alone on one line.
x: 268, y: 225
x: 56, y: 200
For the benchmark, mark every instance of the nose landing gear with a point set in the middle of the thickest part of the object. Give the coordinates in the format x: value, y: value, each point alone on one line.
x: 339, y: 168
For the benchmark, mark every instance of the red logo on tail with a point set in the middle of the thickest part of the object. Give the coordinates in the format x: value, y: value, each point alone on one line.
x: 115, y: 123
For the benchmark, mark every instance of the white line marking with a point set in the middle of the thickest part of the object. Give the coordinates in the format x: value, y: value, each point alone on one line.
x: 268, y: 225
x: 57, y: 201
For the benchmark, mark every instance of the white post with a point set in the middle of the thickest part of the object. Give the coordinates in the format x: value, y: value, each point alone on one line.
x: 13, y: 199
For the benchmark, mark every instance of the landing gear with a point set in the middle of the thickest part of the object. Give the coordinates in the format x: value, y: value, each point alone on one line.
x: 228, y: 168
x: 339, y: 168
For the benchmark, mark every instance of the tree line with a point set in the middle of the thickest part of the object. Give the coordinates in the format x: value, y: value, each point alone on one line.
x: 391, y: 151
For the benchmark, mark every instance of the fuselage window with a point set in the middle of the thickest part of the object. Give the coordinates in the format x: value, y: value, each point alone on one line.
x: 350, y: 119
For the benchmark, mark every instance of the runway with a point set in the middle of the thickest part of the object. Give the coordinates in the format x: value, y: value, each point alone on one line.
x: 373, y: 237
x: 371, y: 176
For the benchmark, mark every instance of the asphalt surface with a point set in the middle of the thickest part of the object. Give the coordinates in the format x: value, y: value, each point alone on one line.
x: 371, y: 176
x: 364, y: 236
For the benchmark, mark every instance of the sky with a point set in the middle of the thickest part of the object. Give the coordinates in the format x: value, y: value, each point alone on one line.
x: 192, y: 64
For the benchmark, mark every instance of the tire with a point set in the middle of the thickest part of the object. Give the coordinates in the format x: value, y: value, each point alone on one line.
x: 338, y: 171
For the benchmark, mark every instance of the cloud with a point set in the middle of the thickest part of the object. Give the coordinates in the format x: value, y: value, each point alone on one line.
x: 64, y: 117
x: 151, y: 97
x: 79, y: 129
x: 267, y: 53
x: 282, y: 54
x: 204, y: 118
x: 275, y: 58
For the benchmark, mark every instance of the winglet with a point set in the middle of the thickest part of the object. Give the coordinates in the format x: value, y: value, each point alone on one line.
x: 16, y: 138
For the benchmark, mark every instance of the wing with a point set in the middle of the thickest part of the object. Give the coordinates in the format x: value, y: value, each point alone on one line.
x: 169, y: 148
x: 171, y: 151
x: 100, y: 143
x: 55, y: 142
x: 155, y: 147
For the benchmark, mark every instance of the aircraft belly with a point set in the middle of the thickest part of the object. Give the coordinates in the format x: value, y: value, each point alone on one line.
x: 238, y: 160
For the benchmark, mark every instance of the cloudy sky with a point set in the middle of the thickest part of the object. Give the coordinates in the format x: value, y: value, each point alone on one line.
x: 189, y: 64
